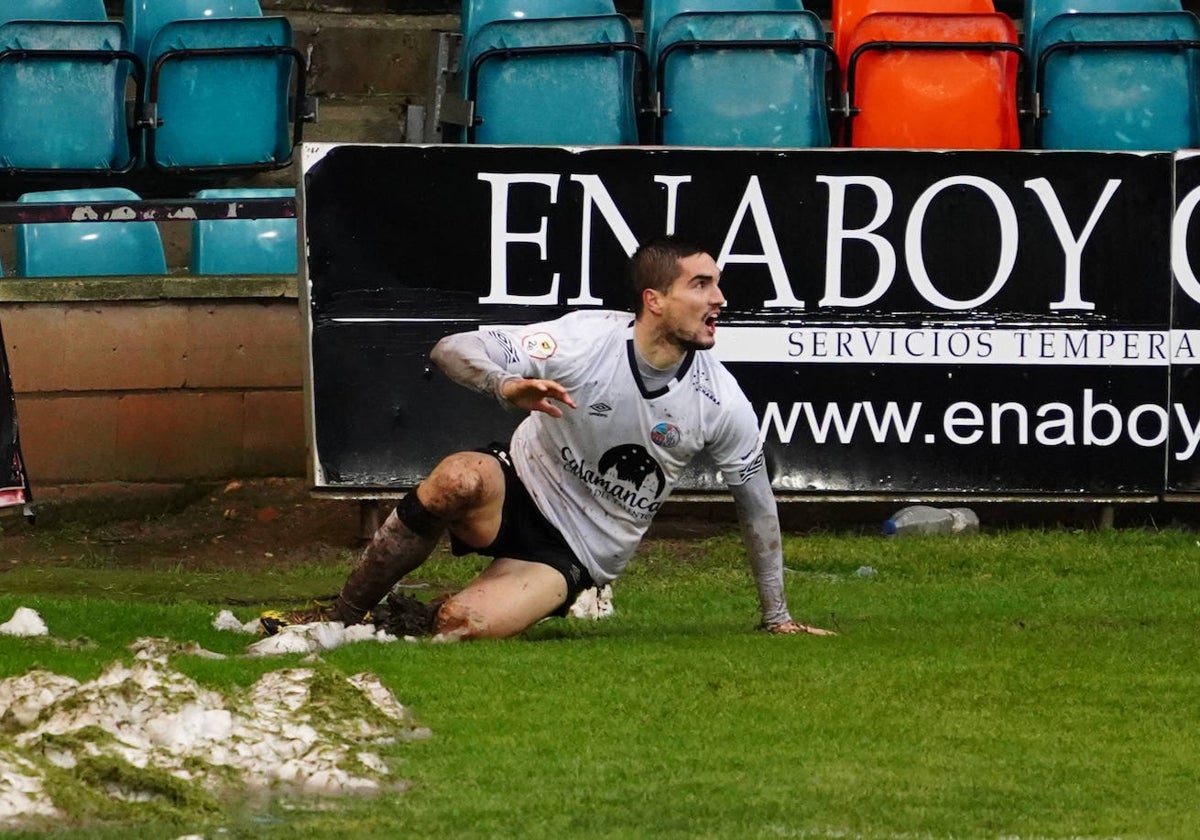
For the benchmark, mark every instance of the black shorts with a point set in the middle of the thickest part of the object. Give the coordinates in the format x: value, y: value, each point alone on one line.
x: 527, y: 535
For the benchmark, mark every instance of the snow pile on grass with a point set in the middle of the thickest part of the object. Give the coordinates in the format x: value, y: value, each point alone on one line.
x: 302, y: 638
x: 316, y: 637
x: 147, y: 734
x: 25, y: 622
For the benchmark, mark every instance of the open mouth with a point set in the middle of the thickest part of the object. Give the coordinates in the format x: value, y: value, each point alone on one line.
x: 711, y: 322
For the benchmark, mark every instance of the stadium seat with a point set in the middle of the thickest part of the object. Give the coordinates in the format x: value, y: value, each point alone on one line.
x: 933, y: 81
x: 63, y: 95
x: 223, y: 85
x: 846, y: 15
x: 87, y: 249
x: 478, y: 13
x: 52, y: 10
x: 223, y: 94
x: 744, y: 79
x: 244, y: 246
x: 1037, y: 13
x: 143, y: 18
x: 658, y: 12
x: 554, y: 81
x: 1118, y: 81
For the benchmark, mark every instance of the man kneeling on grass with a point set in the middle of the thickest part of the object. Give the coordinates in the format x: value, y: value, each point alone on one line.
x: 618, y: 407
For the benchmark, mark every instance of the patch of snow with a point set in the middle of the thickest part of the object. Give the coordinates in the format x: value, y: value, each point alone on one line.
x: 155, y: 717
x: 21, y: 791
x: 315, y: 637
x: 594, y: 603
x: 23, y: 697
x: 25, y: 622
x: 226, y: 620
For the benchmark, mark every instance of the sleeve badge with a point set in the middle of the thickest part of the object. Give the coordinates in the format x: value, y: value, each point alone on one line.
x: 539, y: 345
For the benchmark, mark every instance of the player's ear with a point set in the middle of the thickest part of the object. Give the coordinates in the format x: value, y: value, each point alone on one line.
x: 652, y: 301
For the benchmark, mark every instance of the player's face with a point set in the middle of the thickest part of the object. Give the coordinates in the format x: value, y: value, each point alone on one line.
x: 693, y: 303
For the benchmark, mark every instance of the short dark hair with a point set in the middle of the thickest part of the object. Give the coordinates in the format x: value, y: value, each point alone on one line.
x: 655, y: 265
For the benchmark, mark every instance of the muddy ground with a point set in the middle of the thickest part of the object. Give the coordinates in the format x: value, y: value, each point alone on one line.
x: 260, y: 524
x: 278, y: 522
x: 264, y: 522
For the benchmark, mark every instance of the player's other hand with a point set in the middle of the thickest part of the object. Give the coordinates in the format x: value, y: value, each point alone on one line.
x: 537, y: 395
x: 791, y: 628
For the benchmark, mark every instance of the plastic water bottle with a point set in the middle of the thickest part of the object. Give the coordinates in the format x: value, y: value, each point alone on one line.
x: 923, y: 519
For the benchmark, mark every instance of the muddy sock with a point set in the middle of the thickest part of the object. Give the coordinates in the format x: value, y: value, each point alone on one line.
x: 394, y: 551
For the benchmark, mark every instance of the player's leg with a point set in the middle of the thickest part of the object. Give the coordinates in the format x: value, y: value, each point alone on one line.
x: 465, y: 492
x: 508, y: 596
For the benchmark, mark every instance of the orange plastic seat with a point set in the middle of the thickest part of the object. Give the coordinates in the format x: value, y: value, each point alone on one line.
x: 912, y: 86
x: 846, y: 15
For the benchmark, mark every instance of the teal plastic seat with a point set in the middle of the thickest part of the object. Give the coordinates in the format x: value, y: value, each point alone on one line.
x: 52, y: 10
x: 223, y: 83
x: 557, y: 81
x: 87, y: 249
x: 478, y: 13
x: 1038, y: 13
x: 144, y: 18
x: 244, y: 246
x: 744, y: 79
x: 659, y: 12
x: 222, y: 90
x: 1120, y: 82
x: 62, y: 96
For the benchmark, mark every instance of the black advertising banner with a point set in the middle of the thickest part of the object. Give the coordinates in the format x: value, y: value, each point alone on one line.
x: 904, y: 322
x: 1183, y: 467
x: 14, y: 484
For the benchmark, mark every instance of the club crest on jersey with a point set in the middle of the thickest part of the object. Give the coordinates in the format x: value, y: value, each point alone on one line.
x: 539, y: 345
x: 665, y: 435
x: 626, y: 474
x: 631, y: 463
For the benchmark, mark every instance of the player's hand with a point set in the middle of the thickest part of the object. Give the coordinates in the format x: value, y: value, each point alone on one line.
x: 537, y: 395
x: 791, y: 628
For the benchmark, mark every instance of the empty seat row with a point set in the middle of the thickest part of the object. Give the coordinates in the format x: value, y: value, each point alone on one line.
x: 570, y: 71
x: 179, y: 85
x: 1104, y: 74
x: 89, y: 249
x: 1121, y: 74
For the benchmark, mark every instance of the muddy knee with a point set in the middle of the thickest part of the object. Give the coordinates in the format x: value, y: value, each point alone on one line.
x: 457, y: 484
x: 457, y: 621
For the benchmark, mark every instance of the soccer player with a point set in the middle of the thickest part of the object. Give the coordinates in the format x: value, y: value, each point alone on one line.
x: 617, y: 407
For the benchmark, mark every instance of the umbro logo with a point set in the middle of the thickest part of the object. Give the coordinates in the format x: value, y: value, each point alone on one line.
x: 599, y: 409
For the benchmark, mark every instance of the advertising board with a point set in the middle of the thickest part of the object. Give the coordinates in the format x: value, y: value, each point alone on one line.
x: 904, y: 322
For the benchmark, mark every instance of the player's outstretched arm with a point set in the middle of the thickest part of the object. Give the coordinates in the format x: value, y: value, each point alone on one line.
x: 480, y: 362
x: 473, y: 361
x: 759, y: 522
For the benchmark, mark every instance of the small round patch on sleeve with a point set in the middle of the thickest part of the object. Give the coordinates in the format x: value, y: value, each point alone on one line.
x: 539, y: 345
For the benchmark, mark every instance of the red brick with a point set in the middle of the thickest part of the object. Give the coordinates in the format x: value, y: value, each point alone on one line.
x: 124, y: 346
x: 179, y: 435
x: 68, y: 439
x: 245, y: 345
x: 274, y: 441
x: 34, y: 338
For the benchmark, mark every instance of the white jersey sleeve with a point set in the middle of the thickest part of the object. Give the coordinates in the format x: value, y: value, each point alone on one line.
x: 552, y: 349
x: 483, y: 360
x: 736, y: 447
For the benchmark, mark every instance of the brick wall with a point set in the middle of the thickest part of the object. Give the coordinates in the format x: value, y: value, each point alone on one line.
x: 133, y: 388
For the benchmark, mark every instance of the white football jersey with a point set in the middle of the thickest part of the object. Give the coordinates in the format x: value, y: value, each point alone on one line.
x: 602, y: 471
